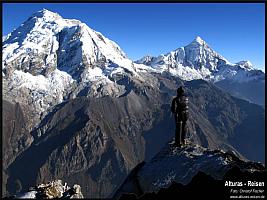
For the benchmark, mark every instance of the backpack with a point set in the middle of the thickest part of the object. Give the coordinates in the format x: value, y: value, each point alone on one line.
x: 182, y: 108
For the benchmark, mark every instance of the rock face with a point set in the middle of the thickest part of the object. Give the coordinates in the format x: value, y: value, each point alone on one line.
x: 82, y: 141
x: 16, y: 135
x: 180, y: 165
x: 77, y: 109
x: 52, y: 190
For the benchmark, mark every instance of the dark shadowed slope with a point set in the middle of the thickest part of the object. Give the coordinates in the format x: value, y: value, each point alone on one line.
x: 191, y: 167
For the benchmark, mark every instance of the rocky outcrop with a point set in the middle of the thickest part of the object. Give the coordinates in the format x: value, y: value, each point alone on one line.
x: 187, y: 166
x: 51, y: 190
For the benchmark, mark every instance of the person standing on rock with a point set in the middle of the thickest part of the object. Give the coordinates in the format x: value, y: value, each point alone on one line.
x: 179, y: 108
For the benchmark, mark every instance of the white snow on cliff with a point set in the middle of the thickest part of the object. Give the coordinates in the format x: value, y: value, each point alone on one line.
x: 198, y: 61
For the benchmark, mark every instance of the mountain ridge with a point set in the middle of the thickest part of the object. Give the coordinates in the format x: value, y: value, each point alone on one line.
x: 69, y: 86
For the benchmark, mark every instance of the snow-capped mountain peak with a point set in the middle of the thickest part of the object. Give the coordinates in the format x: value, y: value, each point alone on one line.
x: 48, y: 35
x: 44, y: 13
x: 198, y: 60
x: 56, y: 57
x: 246, y: 64
x: 198, y: 40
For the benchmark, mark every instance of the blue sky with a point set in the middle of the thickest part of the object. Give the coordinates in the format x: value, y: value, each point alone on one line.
x: 235, y: 30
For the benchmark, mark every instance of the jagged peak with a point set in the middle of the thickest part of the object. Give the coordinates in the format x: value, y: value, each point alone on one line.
x: 44, y: 13
x: 245, y: 63
x: 60, y: 190
x: 147, y: 57
x: 199, y: 39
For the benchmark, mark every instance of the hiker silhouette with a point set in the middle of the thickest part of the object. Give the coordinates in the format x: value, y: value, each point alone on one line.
x: 179, y: 108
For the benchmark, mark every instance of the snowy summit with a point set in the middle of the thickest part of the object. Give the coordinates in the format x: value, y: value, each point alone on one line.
x: 199, y: 40
x: 198, y: 60
x: 48, y: 55
x: 49, y: 59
